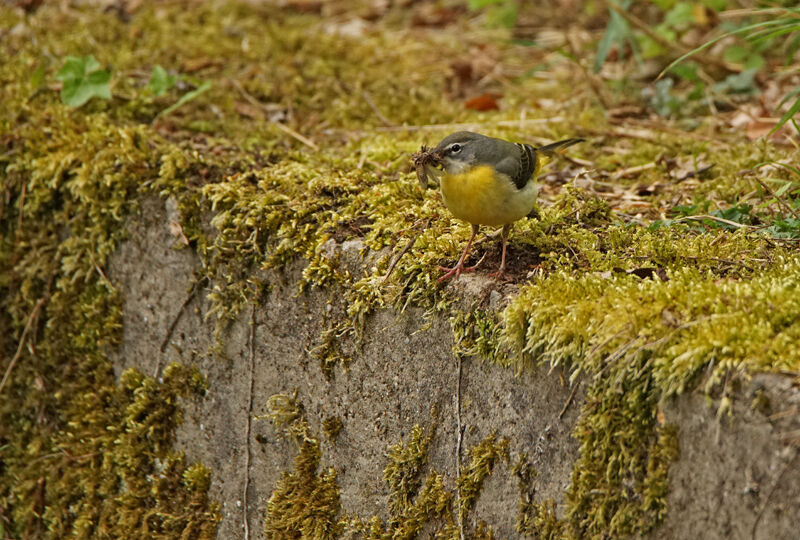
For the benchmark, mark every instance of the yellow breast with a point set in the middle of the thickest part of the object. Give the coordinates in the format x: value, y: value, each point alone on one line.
x: 482, y: 196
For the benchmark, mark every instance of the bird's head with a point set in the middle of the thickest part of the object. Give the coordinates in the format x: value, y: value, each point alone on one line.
x: 458, y: 151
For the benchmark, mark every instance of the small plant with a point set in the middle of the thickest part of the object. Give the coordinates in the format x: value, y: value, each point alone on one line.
x: 161, y: 81
x: 83, y: 79
x: 759, y: 37
x: 498, y: 12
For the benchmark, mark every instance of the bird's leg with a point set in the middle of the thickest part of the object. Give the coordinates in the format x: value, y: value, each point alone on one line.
x: 501, y: 273
x: 459, y: 267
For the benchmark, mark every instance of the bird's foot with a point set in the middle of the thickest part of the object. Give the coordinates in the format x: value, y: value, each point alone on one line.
x: 459, y: 269
x: 500, y: 275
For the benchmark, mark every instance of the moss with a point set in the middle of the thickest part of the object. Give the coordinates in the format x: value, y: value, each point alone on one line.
x: 545, y: 523
x: 403, y: 472
x: 650, y: 312
x: 482, y: 459
x: 476, y: 332
x: 332, y: 426
x: 413, y: 502
x: 83, y: 455
x: 305, y: 501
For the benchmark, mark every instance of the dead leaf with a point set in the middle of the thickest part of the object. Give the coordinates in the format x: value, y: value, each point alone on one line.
x: 700, y: 15
x: 760, y: 127
x: 352, y: 28
x: 430, y: 15
x: 248, y: 110
x: 176, y: 230
x: 626, y: 111
x: 305, y: 6
x: 669, y: 318
x: 484, y: 102
x: 687, y: 167
x: 651, y: 272
x: 196, y: 64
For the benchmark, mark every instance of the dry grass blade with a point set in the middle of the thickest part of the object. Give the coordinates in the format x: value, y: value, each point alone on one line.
x: 28, y: 325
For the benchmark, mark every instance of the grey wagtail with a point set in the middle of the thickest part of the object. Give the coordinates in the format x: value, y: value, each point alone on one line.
x: 486, y: 181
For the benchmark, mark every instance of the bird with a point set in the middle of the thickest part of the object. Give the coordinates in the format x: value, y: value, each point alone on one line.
x: 486, y: 181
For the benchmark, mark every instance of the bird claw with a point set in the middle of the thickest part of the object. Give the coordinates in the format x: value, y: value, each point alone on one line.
x: 500, y: 275
x: 459, y: 269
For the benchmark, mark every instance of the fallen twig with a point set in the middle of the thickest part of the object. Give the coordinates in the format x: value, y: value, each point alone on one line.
x: 405, y: 250
x: 575, y: 386
x: 778, y: 198
x: 25, y: 331
x: 376, y: 110
x: 630, y: 171
x: 286, y: 129
x: 715, y: 218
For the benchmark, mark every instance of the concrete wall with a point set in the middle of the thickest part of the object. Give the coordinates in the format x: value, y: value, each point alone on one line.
x: 737, y: 477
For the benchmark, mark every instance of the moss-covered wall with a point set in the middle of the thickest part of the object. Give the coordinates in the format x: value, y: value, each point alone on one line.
x: 289, y: 150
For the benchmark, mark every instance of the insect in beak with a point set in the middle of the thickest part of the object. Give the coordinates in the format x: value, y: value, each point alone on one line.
x: 425, y: 162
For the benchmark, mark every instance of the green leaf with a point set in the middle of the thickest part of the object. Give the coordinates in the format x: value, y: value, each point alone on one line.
x: 789, y: 96
x: 765, y: 35
x: 83, y: 79
x: 709, y: 43
x: 736, y: 54
x: 739, y: 213
x: 680, y: 15
x: 791, y: 47
x: 687, y: 71
x: 783, y: 189
x: 478, y: 4
x: 186, y: 98
x: 739, y: 83
x: 784, y: 228
x: 161, y: 81
x: 503, y: 15
x: 789, y: 114
x: 617, y: 32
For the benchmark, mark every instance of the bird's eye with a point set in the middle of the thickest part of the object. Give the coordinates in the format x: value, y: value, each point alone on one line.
x: 456, y: 148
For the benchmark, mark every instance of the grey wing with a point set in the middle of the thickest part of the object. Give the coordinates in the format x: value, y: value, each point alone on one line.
x: 519, y: 164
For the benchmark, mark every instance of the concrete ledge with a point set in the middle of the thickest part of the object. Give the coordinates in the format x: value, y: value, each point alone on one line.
x: 736, y: 477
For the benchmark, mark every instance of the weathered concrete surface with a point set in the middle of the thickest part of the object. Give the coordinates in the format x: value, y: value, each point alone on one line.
x: 738, y: 477
x: 728, y: 470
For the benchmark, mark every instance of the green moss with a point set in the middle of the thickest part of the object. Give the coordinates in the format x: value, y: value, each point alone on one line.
x: 332, y: 426
x: 305, y: 501
x: 413, y: 502
x: 83, y: 455
x: 482, y: 459
x: 403, y: 472
x: 476, y: 332
x: 645, y: 313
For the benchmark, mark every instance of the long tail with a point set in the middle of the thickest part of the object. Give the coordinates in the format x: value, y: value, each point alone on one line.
x: 552, y: 148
